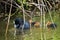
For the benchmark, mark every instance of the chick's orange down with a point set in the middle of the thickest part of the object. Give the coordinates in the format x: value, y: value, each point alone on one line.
x: 37, y: 24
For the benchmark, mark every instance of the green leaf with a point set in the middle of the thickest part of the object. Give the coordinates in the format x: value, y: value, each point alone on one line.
x: 18, y: 1
x: 24, y: 1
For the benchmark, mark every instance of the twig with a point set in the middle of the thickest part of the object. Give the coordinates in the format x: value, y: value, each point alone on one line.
x: 8, y: 21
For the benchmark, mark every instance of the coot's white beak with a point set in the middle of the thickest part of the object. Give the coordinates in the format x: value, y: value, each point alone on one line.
x: 14, y: 26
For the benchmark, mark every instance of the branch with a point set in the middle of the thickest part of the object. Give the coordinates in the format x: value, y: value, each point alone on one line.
x: 8, y: 21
